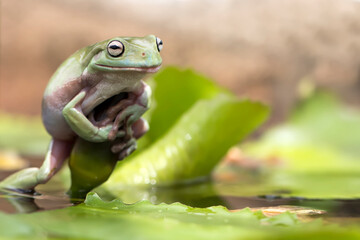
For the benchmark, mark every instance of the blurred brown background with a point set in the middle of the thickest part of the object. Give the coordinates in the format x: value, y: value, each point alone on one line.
x: 258, y: 48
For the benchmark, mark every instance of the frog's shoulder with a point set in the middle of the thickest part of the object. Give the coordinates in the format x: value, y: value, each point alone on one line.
x: 70, y: 70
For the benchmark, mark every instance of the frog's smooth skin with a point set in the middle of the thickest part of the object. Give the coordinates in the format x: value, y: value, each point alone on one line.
x: 109, y: 73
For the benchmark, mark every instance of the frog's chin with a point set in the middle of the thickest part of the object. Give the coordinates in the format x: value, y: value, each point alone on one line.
x: 152, y: 69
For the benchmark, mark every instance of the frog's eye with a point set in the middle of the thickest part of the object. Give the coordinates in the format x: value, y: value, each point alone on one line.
x: 159, y: 44
x: 115, y: 48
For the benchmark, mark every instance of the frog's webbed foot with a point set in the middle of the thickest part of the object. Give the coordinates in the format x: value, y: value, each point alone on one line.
x: 124, y: 148
x: 126, y: 145
x: 23, y: 181
x: 125, y: 117
x: 27, y: 179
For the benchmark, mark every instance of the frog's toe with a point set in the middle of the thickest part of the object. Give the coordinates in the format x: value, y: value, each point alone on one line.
x: 23, y: 181
x: 126, y: 152
x: 121, y: 144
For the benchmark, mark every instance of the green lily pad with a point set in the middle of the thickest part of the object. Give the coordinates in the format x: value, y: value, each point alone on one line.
x: 96, y: 219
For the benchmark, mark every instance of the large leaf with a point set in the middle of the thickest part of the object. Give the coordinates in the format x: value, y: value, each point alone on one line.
x: 96, y: 219
x: 175, y: 91
x: 296, y: 159
x: 194, y: 145
x: 193, y: 122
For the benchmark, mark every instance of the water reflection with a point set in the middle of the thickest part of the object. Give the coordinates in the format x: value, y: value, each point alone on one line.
x: 15, y: 202
x: 19, y: 204
x: 200, y: 194
x: 206, y: 194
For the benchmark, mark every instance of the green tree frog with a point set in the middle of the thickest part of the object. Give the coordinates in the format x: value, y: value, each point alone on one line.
x: 94, y: 101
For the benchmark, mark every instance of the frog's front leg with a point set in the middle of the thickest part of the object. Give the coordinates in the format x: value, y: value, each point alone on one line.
x: 134, y: 126
x: 27, y: 179
x: 132, y: 113
x: 125, y: 146
x: 81, y: 125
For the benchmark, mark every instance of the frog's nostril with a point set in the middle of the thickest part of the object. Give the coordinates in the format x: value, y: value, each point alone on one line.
x: 143, y: 54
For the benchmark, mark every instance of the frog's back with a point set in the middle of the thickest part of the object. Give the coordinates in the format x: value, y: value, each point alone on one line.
x: 64, y: 85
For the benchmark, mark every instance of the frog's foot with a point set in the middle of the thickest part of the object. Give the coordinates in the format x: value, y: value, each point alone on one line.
x: 27, y: 179
x: 130, y: 148
x: 129, y: 112
x: 23, y: 181
x: 124, y: 148
x: 112, y: 112
x: 123, y: 120
x: 126, y: 145
x: 120, y: 111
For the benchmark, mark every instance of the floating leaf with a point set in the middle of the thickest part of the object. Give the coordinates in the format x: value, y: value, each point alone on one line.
x: 96, y: 219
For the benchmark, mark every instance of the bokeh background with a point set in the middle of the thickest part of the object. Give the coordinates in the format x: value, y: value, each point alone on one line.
x: 263, y: 49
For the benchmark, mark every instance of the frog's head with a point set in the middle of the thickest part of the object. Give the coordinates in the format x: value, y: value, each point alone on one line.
x: 140, y: 54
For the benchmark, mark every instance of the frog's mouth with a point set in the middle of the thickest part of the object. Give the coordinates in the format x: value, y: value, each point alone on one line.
x: 152, y: 69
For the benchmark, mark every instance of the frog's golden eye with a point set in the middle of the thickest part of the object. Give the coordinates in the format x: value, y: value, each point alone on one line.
x: 159, y: 44
x: 115, y: 48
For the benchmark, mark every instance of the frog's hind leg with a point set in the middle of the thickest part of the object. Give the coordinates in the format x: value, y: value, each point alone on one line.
x: 27, y: 179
